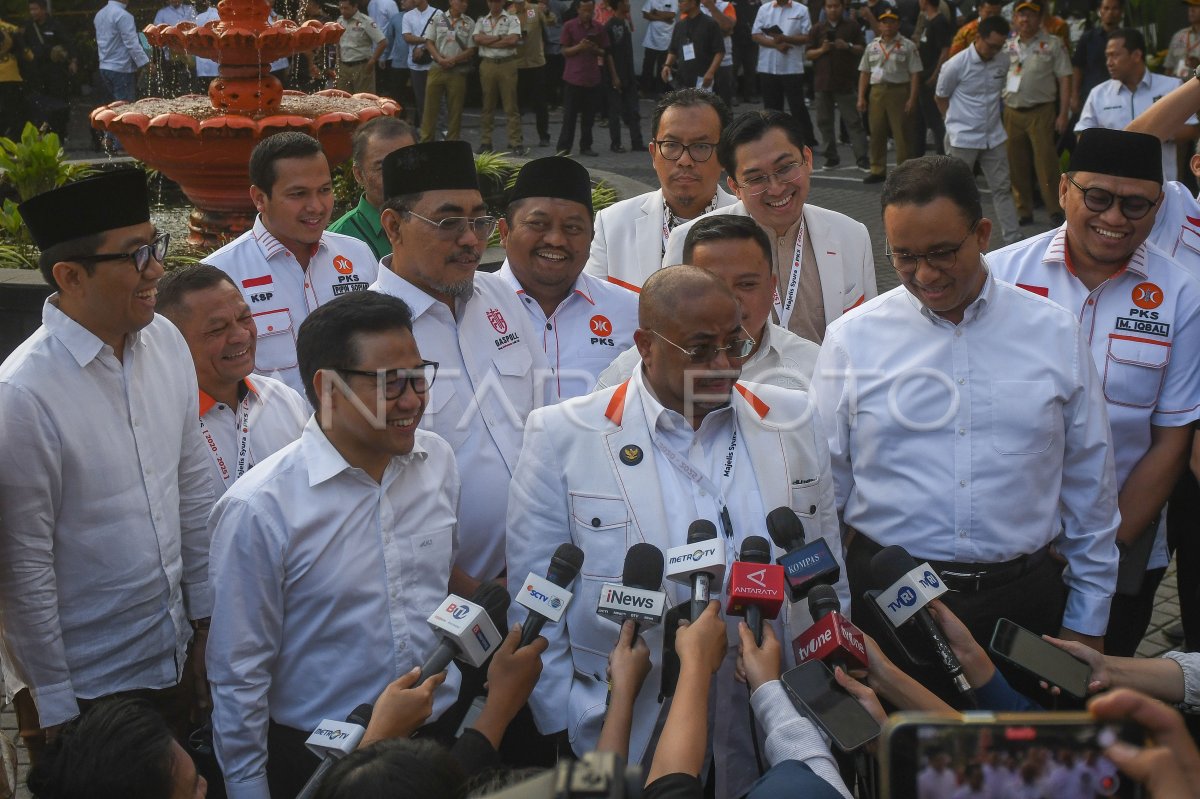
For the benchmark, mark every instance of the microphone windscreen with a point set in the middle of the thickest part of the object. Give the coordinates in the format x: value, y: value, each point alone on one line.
x: 755, y: 549
x: 785, y: 528
x: 701, y: 530
x: 565, y: 565
x: 493, y: 599
x: 889, y: 565
x: 361, y: 715
x: 643, y: 567
x: 823, y: 600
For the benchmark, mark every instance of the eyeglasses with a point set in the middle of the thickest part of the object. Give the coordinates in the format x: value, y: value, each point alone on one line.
x: 757, y: 185
x: 707, y: 353
x: 452, y: 227
x: 396, y: 381
x: 140, y: 257
x: 906, y: 262
x: 1133, y: 207
x: 699, y: 151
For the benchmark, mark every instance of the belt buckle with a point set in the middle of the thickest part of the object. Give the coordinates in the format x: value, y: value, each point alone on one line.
x: 976, y: 576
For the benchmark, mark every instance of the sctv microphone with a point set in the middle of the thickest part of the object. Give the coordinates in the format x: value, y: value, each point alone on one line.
x: 910, y: 587
x: 755, y: 586
x: 700, y: 562
x: 333, y: 740
x: 547, y: 597
x: 637, y: 596
x: 804, y: 565
x: 831, y: 639
x: 469, y: 630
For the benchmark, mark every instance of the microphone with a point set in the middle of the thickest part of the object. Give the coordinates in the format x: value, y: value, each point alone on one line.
x: 637, y: 596
x: 547, y: 598
x: 333, y: 740
x: 469, y: 631
x: 755, y: 587
x: 911, y: 586
x: 804, y: 565
x: 831, y: 639
x: 700, y: 562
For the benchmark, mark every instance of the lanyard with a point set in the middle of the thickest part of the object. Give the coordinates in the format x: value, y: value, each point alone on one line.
x: 243, y: 445
x: 784, y: 307
x: 669, y: 221
x: 886, y: 55
x: 700, y: 478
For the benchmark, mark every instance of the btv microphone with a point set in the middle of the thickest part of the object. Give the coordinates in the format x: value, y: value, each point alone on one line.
x: 831, y: 639
x: 547, y: 598
x: 333, y: 740
x: 469, y: 630
x: 700, y: 562
x: 637, y: 597
x: 755, y: 585
x: 804, y: 565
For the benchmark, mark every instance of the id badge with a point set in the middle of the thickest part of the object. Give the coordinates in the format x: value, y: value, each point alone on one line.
x: 1013, y: 84
x: 877, y: 75
x: 689, y: 52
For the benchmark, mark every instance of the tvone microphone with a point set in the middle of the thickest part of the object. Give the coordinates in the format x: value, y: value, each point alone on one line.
x: 831, y: 639
x: 547, y: 598
x: 910, y: 587
x: 469, y: 630
x: 333, y: 740
x: 701, y: 562
x: 804, y: 565
x: 637, y: 597
x: 755, y: 585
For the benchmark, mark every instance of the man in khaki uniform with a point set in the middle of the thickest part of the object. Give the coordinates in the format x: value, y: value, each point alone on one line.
x: 359, y: 50
x: 452, y: 49
x: 1184, y: 53
x: 498, y: 35
x: 531, y: 63
x: 891, y: 67
x: 1039, y: 82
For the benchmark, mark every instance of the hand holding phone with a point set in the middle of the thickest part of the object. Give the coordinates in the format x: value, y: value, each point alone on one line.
x: 816, y: 694
x: 1042, y: 659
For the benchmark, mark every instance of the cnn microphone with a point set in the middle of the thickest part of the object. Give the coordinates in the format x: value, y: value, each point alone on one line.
x: 547, y: 598
x: 333, y: 740
x: 700, y: 562
x: 755, y: 587
x: 910, y: 587
x: 637, y: 596
x: 469, y: 630
x: 804, y: 565
x: 832, y: 639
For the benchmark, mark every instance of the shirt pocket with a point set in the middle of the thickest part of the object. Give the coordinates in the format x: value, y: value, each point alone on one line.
x: 276, y: 346
x: 1134, y: 371
x: 806, y: 496
x: 428, y: 581
x: 601, y: 528
x: 1022, y: 416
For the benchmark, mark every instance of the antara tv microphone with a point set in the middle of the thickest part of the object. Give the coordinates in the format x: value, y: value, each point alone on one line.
x: 637, y: 597
x: 831, y: 639
x: 333, y: 740
x: 755, y: 586
x: 804, y: 565
x: 469, y: 630
x: 700, y: 562
x: 547, y: 598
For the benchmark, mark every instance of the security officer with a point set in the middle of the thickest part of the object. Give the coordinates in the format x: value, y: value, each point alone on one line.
x: 359, y: 50
x: 498, y: 34
x: 891, y: 68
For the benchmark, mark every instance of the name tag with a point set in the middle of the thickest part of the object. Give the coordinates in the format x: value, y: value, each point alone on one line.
x: 689, y: 52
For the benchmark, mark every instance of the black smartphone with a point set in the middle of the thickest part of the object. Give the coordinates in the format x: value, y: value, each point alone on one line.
x: 816, y: 694
x: 1005, y: 756
x: 1040, y: 658
x: 772, y: 30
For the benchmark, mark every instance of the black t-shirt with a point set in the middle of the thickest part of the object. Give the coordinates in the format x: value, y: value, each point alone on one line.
x: 620, y: 47
x: 704, y: 35
x: 935, y: 38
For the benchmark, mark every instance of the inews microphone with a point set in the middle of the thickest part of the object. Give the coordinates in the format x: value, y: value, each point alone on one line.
x: 804, y: 565
x: 637, y: 596
x: 333, y: 740
x: 755, y: 585
x: 547, y: 597
x: 832, y: 639
x: 469, y: 630
x: 910, y: 587
x: 700, y: 562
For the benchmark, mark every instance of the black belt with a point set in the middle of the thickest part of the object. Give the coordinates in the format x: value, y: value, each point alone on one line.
x: 970, y: 577
x: 355, y: 63
x: 498, y: 59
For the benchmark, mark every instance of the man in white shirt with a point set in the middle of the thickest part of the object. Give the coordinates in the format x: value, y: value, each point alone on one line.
x: 737, y: 250
x: 660, y: 14
x: 585, y: 322
x: 120, y: 54
x: 206, y: 69
x: 174, y: 76
x: 781, y: 31
x: 966, y: 423
x: 416, y: 28
x: 631, y: 236
x: 288, y: 264
x: 493, y: 368
x: 242, y: 421
x: 329, y: 555
x: 937, y: 780
x: 103, y: 481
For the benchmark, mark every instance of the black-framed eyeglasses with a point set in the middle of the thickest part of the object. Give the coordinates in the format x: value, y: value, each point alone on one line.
x: 707, y: 353
x: 698, y: 151
x: 1133, y: 206
x: 140, y: 257
x: 906, y: 262
x: 396, y: 381
x: 452, y: 227
x: 760, y: 183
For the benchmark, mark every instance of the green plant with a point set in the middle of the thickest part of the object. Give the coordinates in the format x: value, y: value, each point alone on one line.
x: 345, y: 189
x: 36, y: 163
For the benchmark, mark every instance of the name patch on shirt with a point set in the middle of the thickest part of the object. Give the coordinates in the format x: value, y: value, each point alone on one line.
x: 1145, y: 322
x: 347, y: 284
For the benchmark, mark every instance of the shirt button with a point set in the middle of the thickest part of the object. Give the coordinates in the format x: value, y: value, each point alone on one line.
x: 962, y: 431
x: 962, y: 483
x: 957, y: 333
x: 962, y: 380
x: 549, y: 326
x: 403, y: 645
x: 962, y: 533
x: 704, y: 493
x: 596, y: 521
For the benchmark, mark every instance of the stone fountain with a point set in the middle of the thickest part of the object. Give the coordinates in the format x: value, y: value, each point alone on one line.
x: 204, y: 143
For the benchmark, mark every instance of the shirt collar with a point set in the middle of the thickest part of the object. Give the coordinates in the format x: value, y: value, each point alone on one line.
x: 582, y: 287
x: 324, y: 462
x: 207, y: 402
x: 978, y: 306
x: 390, y: 283
x: 83, y: 344
x: 370, y: 215
x: 271, y: 246
x: 1056, y: 253
x: 664, y: 419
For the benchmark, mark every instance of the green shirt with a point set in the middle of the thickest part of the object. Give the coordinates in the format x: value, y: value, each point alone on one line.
x: 362, y: 222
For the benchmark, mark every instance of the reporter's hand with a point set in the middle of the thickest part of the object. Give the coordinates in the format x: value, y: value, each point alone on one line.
x: 401, y: 708
x: 759, y: 664
x: 977, y: 666
x: 862, y: 694
x: 1100, y: 679
x: 1170, y: 767
x: 629, y: 662
x: 703, y: 643
x: 514, y: 672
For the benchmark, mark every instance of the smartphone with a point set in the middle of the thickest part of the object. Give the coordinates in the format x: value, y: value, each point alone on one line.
x: 816, y: 694
x: 1004, y: 756
x: 773, y: 30
x: 1042, y: 659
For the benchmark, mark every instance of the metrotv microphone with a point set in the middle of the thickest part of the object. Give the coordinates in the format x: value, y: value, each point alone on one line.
x: 333, y: 740
x: 468, y: 630
x: 547, y: 598
x: 637, y: 597
x: 699, y: 563
x: 831, y: 639
x: 755, y: 585
x: 804, y: 565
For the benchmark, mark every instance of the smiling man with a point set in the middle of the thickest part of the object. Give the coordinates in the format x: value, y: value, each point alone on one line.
x: 372, y: 143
